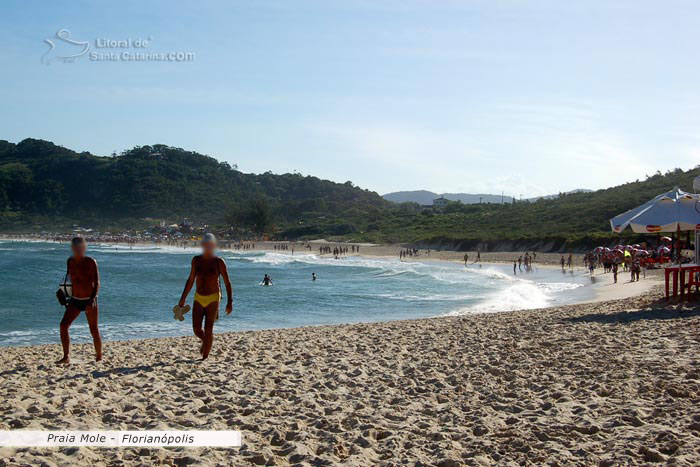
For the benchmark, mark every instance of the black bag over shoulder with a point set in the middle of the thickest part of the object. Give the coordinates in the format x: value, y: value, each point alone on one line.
x: 61, y: 293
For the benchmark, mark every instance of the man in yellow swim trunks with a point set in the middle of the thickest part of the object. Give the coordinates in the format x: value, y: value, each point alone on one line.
x: 206, y: 269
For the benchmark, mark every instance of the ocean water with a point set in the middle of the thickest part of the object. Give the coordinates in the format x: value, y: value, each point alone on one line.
x: 140, y: 285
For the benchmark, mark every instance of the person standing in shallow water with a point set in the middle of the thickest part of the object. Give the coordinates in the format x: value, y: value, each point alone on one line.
x: 84, y: 277
x: 206, y: 270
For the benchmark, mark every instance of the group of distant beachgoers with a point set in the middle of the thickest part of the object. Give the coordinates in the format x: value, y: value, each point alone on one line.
x: 337, y: 251
x: 411, y: 252
x: 636, y: 258
x: 527, y: 261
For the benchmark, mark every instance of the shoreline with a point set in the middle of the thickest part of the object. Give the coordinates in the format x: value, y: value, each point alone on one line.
x: 602, y: 284
x: 367, y: 249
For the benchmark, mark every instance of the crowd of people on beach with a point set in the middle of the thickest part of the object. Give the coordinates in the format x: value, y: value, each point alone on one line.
x: 337, y: 251
x: 525, y: 261
x: 244, y: 246
x: 631, y: 262
x: 635, y: 259
x: 409, y: 252
x: 284, y: 247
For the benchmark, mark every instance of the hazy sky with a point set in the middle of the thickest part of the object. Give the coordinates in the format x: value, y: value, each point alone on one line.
x: 530, y: 97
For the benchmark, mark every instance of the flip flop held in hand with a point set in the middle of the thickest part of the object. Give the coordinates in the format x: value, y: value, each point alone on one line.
x: 179, y: 312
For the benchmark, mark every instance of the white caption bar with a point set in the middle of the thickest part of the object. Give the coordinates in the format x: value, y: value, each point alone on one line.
x: 113, y: 439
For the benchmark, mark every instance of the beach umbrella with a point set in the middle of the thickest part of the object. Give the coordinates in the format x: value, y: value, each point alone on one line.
x: 673, y: 211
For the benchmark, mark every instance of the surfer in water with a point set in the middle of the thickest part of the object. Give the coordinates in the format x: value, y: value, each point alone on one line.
x: 267, y: 280
x: 83, y: 276
x: 206, y: 270
x: 313, y: 276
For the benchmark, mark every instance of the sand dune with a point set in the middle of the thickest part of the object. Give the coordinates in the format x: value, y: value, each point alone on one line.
x: 611, y: 383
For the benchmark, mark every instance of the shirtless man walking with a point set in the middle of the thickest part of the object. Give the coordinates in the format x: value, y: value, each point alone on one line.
x: 206, y: 269
x: 85, y: 279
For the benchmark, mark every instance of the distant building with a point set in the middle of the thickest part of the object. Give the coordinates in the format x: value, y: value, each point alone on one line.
x: 440, y: 202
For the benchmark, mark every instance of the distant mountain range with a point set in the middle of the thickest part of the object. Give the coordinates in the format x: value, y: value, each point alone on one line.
x: 425, y: 198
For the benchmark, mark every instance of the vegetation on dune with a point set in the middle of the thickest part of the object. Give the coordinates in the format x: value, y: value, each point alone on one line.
x: 47, y: 186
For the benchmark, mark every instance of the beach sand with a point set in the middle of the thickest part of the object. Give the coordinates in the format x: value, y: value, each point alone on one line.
x: 607, y: 383
x: 550, y: 259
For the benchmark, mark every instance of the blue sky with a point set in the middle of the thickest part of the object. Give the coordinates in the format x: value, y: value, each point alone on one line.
x: 527, y: 97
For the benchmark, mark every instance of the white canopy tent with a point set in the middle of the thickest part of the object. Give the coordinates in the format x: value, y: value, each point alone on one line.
x: 673, y: 211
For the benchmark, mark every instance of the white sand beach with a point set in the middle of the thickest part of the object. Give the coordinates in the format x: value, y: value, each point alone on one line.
x: 607, y: 383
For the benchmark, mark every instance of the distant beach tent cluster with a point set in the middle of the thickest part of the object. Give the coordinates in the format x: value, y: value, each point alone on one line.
x: 646, y: 255
x: 627, y: 250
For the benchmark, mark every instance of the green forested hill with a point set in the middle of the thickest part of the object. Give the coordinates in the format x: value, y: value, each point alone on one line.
x: 41, y: 183
x: 576, y: 219
x: 44, y: 186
